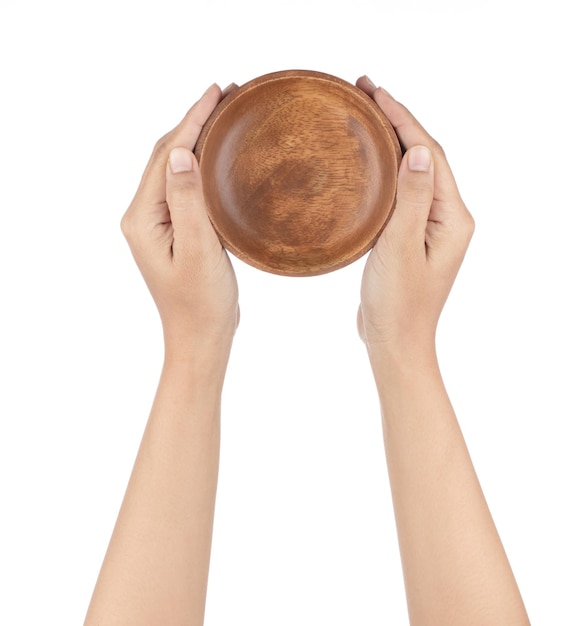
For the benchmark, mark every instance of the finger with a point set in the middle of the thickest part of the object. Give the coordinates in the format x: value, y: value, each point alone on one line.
x: 411, y: 133
x: 186, y: 133
x: 191, y: 226
x: 408, y: 224
x: 228, y: 89
x: 367, y: 85
x: 152, y: 188
x: 409, y: 130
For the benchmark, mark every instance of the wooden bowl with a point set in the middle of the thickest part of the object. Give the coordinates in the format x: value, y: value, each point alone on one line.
x: 299, y: 172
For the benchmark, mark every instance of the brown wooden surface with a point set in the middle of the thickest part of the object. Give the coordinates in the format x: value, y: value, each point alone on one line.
x: 299, y: 172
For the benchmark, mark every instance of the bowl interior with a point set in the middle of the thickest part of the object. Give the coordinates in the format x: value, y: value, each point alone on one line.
x: 299, y: 172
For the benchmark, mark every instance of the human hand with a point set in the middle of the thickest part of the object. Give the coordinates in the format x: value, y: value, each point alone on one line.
x: 186, y: 269
x: 413, y: 265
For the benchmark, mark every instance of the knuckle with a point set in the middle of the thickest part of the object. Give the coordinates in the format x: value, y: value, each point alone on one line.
x: 127, y: 226
x: 471, y: 224
x: 184, y: 190
x: 124, y: 225
x: 161, y: 147
x: 438, y: 149
x: 464, y: 225
x: 418, y: 192
x: 468, y: 223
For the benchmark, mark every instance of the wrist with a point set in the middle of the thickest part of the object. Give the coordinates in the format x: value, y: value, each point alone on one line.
x: 190, y: 339
x: 402, y: 337
x: 205, y: 356
x: 394, y: 363
x: 187, y: 331
x: 402, y: 348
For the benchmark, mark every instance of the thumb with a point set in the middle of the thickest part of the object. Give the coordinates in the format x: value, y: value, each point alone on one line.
x: 185, y: 200
x: 414, y: 196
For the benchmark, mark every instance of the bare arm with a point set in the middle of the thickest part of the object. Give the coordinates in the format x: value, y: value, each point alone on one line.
x: 156, y: 566
x: 455, y: 569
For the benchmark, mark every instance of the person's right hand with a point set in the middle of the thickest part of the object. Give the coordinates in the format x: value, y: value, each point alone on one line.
x: 188, y: 272
x: 413, y: 265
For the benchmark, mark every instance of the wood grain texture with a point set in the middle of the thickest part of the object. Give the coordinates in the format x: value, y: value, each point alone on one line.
x: 299, y: 171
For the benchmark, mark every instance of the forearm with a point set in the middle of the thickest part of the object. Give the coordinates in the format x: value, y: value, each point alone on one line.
x: 156, y: 567
x: 455, y: 568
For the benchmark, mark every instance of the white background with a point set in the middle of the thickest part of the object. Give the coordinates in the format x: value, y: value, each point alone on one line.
x: 304, y: 530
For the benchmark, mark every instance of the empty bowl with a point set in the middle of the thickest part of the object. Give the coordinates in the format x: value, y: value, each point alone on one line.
x: 299, y: 172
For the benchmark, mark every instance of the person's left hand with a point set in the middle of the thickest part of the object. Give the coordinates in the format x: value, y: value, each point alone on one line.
x: 174, y: 244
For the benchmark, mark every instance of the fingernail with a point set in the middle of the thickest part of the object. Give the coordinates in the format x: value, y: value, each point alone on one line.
x: 180, y: 160
x: 419, y: 159
x: 369, y: 81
